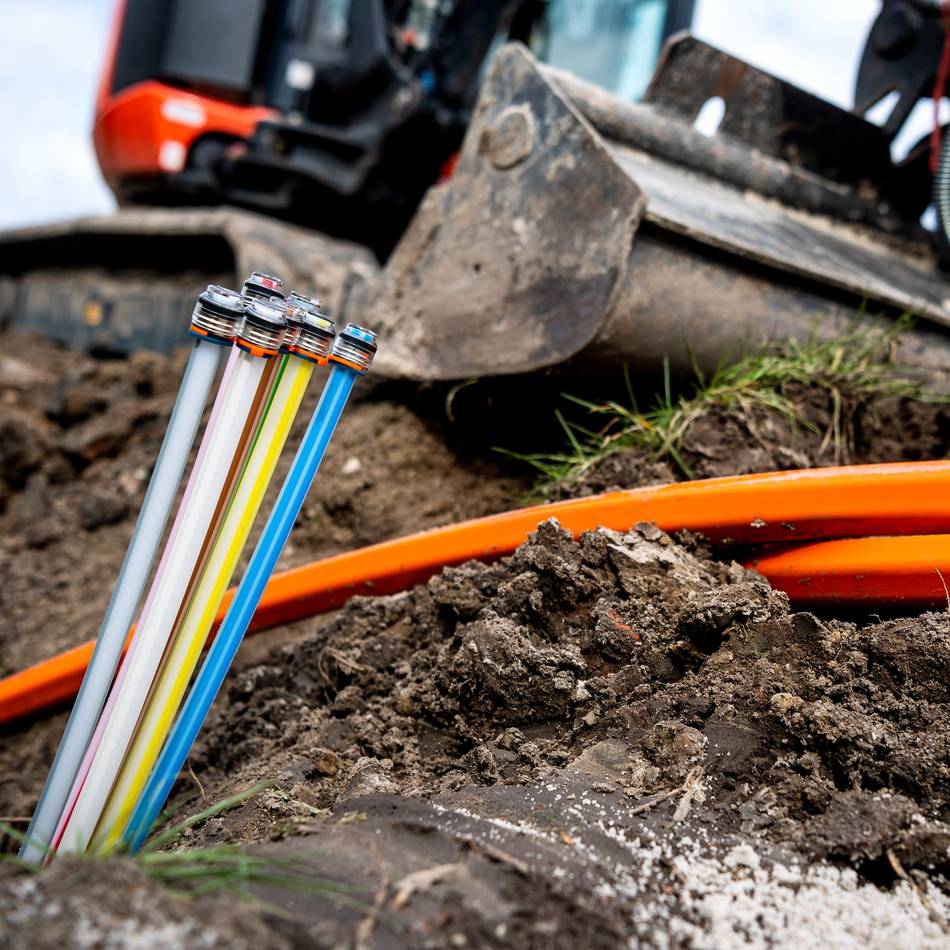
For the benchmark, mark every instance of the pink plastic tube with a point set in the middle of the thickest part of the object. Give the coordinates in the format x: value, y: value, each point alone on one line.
x: 93, y: 746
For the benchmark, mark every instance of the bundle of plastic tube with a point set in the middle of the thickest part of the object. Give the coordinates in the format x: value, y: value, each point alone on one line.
x: 123, y: 746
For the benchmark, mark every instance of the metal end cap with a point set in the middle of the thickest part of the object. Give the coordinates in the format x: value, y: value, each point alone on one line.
x: 316, y: 335
x: 354, y: 346
x: 218, y: 313
x: 261, y: 286
x: 263, y: 328
x: 311, y: 312
x: 299, y: 301
x: 296, y: 311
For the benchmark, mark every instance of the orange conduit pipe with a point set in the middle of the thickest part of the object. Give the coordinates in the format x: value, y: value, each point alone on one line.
x: 892, y: 499
x: 905, y: 572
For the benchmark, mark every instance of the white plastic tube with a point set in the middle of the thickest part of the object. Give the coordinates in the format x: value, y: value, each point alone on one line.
x: 153, y: 635
x: 199, y: 617
x: 159, y: 497
x: 93, y: 745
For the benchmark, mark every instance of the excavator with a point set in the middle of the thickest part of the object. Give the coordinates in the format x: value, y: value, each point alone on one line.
x: 500, y: 186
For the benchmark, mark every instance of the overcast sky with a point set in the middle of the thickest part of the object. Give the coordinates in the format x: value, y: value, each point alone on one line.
x: 53, y: 49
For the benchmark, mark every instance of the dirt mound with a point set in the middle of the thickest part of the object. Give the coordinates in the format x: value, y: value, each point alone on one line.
x: 591, y: 741
x: 755, y: 438
x: 632, y: 658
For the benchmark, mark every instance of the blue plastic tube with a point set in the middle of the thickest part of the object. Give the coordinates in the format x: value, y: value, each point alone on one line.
x: 248, y: 595
x: 159, y: 497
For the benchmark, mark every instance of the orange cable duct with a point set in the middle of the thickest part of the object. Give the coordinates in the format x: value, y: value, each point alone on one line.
x: 905, y: 498
x: 907, y: 572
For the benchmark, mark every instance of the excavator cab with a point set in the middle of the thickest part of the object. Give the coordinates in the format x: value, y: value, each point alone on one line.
x: 337, y: 114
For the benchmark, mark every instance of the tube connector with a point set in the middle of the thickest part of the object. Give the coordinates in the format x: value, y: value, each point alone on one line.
x: 316, y: 329
x: 260, y: 286
x: 263, y: 329
x: 217, y: 315
x: 354, y: 347
x: 297, y: 306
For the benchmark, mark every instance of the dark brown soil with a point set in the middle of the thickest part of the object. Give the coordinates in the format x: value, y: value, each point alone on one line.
x: 732, y: 442
x: 84, y: 904
x: 78, y: 437
x: 621, y: 740
x: 630, y: 659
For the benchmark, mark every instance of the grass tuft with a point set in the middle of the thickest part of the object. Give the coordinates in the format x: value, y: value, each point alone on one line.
x: 168, y: 835
x: 230, y: 869
x: 854, y: 369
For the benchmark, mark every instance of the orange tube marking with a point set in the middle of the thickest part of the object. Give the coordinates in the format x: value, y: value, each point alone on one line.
x: 903, y: 498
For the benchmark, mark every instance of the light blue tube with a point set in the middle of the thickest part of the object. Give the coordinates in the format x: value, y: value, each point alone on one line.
x: 159, y: 497
x: 238, y: 618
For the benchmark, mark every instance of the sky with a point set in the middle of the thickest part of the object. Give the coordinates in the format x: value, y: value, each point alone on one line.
x: 49, y: 69
x: 53, y: 51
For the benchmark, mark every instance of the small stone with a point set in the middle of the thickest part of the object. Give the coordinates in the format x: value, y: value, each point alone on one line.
x: 351, y: 466
x: 132, y: 481
x: 101, y: 508
x: 370, y: 777
x: 22, y: 448
x: 784, y: 703
x: 326, y: 762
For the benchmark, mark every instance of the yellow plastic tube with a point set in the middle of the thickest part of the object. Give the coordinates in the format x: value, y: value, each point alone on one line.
x: 199, y: 616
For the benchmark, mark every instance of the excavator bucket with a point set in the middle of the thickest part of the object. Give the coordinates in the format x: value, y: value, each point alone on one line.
x: 579, y: 228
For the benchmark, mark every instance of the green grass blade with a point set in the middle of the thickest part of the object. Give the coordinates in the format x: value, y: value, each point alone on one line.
x: 169, y: 834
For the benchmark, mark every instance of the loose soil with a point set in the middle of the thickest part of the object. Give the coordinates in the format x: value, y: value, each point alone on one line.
x: 625, y: 739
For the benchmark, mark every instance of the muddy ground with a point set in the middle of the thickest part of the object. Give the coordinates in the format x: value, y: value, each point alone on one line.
x: 621, y: 740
